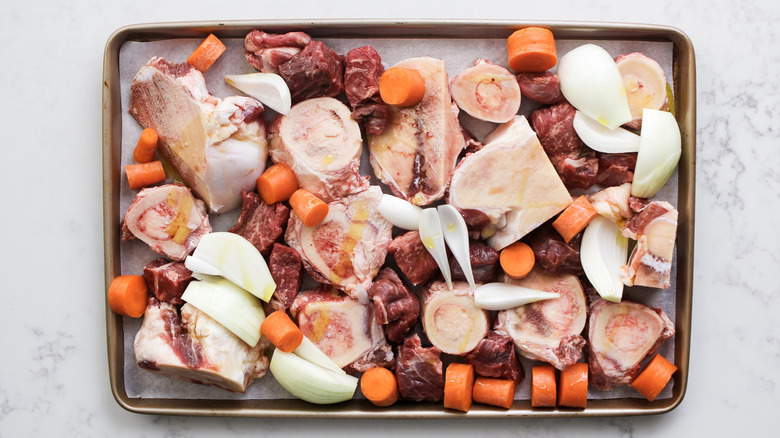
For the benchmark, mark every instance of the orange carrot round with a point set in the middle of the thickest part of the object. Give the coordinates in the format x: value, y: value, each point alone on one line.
x: 495, y: 392
x: 573, y: 387
x: 206, y: 53
x: 531, y: 49
x: 146, y: 146
x: 543, y: 393
x: 654, y: 377
x: 281, y: 331
x: 379, y: 386
x: 517, y: 260
x: 458, y: 386
x: 277, y: 183
x: 144, y: 174
x: 310, y: 209
x: 401, y: 86
x: 127, y: 295
x: 575, y: 218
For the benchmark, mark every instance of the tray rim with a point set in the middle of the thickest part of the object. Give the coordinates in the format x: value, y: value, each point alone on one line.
x: 684, y: 71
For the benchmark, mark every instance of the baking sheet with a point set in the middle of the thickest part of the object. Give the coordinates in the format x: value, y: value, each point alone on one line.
x: 458, y: 54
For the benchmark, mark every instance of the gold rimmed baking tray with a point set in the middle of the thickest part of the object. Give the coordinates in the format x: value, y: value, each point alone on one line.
x: 684, y: 80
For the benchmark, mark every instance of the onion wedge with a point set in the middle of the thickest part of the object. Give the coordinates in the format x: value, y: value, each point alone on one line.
x: 603, y: 251
x: 268, y: 88
x: 456, y: 234
x: 602, y: 139
x: 433, y: 240
x: 311, y: 382
x: 591, y: 82
x: 660, y: 148
x: 502, y: 296
x: 400, y: 212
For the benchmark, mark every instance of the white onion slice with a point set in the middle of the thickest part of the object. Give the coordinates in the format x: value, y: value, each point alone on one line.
x: 309, y: 351
x: 198, y: 266
x: 268, y: 88
x: 602, y: 139
x: 237, y: 260
x: 400, y: 212
x: 591, y: 82
x: 660, y: 148
x: 502, y: 296
x: 456, y: 234
x: 311, y: 382
x: 433, y: 240
x: 603, y: 251
x: 234, y: 308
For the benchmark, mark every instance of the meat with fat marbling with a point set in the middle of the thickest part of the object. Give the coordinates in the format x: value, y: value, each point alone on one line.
x: 396, y: 307
x: 167, y: 280
x: 267, y: 51
x: 259, y: 223
x: 616, y: 169
x: 495, y: 356
x: 418, y: 371
x: 541, y: 87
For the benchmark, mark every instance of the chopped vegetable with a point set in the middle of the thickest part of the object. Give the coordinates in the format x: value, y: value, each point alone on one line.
x: 591, y: 82
x: 458, y: 386
x: 234, y: 308
x: 660, y: 147
x: 311, y: 382
x: 146, y: 146
x: 402, y: 86
x: 127, y: 295
x: 543, y: 390
x: 495, y: 392
x: 602, y: 139
x: 573, y: 386
x: 603, y: 251
x: 400, y: 212
x: 575, y: 218
x: 531, y: 49
x: 269, y: 88
x: 282, y: 331
x: 206, y: 53
x: 237, y: 260
x: 199, y: 268
x: 310, y: 209
x: 652, y: 380
x: 380, y: 387
x: 277, y: 183
x: 433, y: 240
x: 502, y: 296
x: 456, y: 235
x: 309, y: 351
x: 144, y: 174
x: 517, y: 260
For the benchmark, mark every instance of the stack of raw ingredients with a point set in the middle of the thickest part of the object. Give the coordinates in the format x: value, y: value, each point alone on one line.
x: 492, y: 257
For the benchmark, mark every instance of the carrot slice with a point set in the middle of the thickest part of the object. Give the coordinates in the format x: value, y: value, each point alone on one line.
x: 127, y: 295
x: 654, y: 377
x: 575, y: 218
x: 146, y: 146
x: 380, y: 386
x: 517, y: 260
x: 206, y: 53
x: 281, y: 331
x: 277, y: 183
x: 401, y: 86
x: 543, y: 393
x: 531, y: 49
x: 310, y: 209
x: 144, y: 174
x: 573, y: 388
x: 495, y: 392
x: 458, y: 386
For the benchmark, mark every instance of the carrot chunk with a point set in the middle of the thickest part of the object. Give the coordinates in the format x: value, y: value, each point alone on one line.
x: 458, y: 386
x: 543, y: 390
x: 573, y: 388
x: 379, y: 386
x: 517, y: 260
x: 401, y: 86
x: 575, y: 218
x: 146, y: 146
x: 654, y: 377
x: 531, y: 49
x: 206, y: 53
x: 144, y: 174
x: 127, y: 295
x: 310, y: 209
x: 277, y: 183
x: 495, y: 392
x: 281, y: 331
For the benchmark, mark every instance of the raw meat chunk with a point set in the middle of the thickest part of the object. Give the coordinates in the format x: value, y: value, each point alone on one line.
x: 541, y: 87
x: 287, y: 271
x: 396, y: 307
x: 316, y: 71
x: 167, y: 280
x: 419, y: 371
x: 361, y: 84
x: 615, y: 169
x: 553, y: 254
x: 267, y: 51
x: 259, y: 223
x: 484, y: 263
x: 495, y: 356
x: 416, y: 263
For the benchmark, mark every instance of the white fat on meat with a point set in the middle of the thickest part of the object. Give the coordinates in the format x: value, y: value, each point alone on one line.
x: 548, y: 330
x: 168, y: 219
x: 620, y: 335
x: 417, y: 151
x: 195, y: 348
x: 218, y: 146
x: 511, y: 181
x: 612, y: 203
x: 322, y: 144
x: 348, y: 247
x: 344, y: 329
x: 451, y: 320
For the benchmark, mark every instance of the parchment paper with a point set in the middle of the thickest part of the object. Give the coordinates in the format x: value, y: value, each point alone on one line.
x: 458, y: 54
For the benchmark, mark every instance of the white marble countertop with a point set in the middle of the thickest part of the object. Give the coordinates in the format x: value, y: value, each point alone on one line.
x: 54, y: 378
